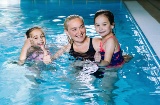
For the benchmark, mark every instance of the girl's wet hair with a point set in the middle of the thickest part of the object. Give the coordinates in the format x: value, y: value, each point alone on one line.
x: 69, y: 18
x: 31, y: 29
x: 106, y: 13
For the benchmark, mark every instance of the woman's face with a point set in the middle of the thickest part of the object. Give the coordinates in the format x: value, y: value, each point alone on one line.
x: 38, y: 37
x: 76, y: 30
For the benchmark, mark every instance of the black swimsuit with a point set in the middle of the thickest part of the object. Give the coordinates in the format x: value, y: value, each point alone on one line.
x: 87, y: 55
x: 83, y: 56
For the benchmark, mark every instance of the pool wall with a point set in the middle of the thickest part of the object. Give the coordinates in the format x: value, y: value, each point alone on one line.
x: 149, y: 26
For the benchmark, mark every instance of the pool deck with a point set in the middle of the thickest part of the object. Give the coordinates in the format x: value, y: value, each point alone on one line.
x: 149, y: 26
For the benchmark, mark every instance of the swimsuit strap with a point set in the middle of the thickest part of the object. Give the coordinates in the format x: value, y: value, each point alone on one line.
x: 72, y: 47
x: 101, y: 44
x: 101, y: 48
x: 90, y: 44
x: 91, y: 48
x: 89, y: 54
x: 118, y: 47
x: 108, y: 38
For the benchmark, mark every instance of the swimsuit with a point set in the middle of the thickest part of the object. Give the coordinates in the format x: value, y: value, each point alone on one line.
x: 117, y: 58
x: 36, y: 56
x: 83, y: 56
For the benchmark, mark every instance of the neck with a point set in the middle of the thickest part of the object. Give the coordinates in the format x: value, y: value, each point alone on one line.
x: 80, y: 43
x: 107, y: 36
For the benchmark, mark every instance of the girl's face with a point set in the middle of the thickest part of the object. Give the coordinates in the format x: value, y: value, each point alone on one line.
x: 103, y: 26
x: 38, y: 37
x: 76, y: 30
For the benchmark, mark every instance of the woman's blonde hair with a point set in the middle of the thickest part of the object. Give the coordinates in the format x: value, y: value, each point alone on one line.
x: 69, y: 18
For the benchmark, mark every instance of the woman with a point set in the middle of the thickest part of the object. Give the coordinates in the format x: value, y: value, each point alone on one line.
x: 80, y: 46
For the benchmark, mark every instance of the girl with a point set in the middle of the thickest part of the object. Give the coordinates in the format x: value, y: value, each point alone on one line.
x: 111, y: 54
x: 34, y: 47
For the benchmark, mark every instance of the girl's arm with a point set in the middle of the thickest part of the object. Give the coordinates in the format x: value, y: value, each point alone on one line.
x: 64, y: 49
x: 109, y: 50
x: 24, y: 51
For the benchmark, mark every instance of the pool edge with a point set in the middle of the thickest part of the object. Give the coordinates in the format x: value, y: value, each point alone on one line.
x: 149, y: 26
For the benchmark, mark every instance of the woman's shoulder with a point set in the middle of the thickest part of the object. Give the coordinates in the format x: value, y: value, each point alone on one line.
x: 96, y: 42
x: 97, y: 39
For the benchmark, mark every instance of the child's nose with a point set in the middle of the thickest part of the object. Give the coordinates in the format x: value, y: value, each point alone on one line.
x: 41, y: 38
x: 100, y: 28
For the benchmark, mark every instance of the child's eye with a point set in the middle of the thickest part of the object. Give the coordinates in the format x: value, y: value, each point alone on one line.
x: 42, y: 36
x: 104, y: 24
x: 82, y: 26
x: 97, y: 25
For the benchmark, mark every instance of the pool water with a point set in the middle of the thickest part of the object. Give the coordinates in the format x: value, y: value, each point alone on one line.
x: 59, y: 83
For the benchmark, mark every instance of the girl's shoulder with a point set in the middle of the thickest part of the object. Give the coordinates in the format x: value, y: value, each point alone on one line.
x: 110, y: 39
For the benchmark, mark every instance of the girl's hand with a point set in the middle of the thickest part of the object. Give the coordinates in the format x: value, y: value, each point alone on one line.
x: 47, y: 56
x: 47, y: 59
x: 28, y: 43
x: 97, y: 56
x: 43, y: 48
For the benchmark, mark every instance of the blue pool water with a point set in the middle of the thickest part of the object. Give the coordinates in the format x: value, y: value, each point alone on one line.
x: 59, y: 84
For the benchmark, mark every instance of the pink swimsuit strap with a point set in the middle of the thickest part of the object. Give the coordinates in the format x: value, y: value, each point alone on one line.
x: 101, y: 47
x: 101, y: 44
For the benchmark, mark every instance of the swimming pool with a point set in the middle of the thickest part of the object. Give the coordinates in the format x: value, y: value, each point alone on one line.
x: 59, y: 84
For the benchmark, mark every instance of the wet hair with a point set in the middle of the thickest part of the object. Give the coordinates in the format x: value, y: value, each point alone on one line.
x: 69, y: 18
x: 106, y: 13
x: 31, y: 29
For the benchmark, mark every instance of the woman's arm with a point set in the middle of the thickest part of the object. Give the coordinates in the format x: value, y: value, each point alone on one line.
x: 64, y: 49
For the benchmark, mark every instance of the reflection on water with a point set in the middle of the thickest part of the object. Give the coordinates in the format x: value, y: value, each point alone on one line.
x: 90, y: 89
x: 5, y: 3
x: 60, y: 83
x: 36, y: 83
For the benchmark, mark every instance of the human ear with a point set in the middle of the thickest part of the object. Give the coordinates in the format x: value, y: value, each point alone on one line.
x: 112, y: 27
x: 67, y: 33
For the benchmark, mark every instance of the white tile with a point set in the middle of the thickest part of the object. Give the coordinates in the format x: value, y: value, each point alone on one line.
x: 149, y: 26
